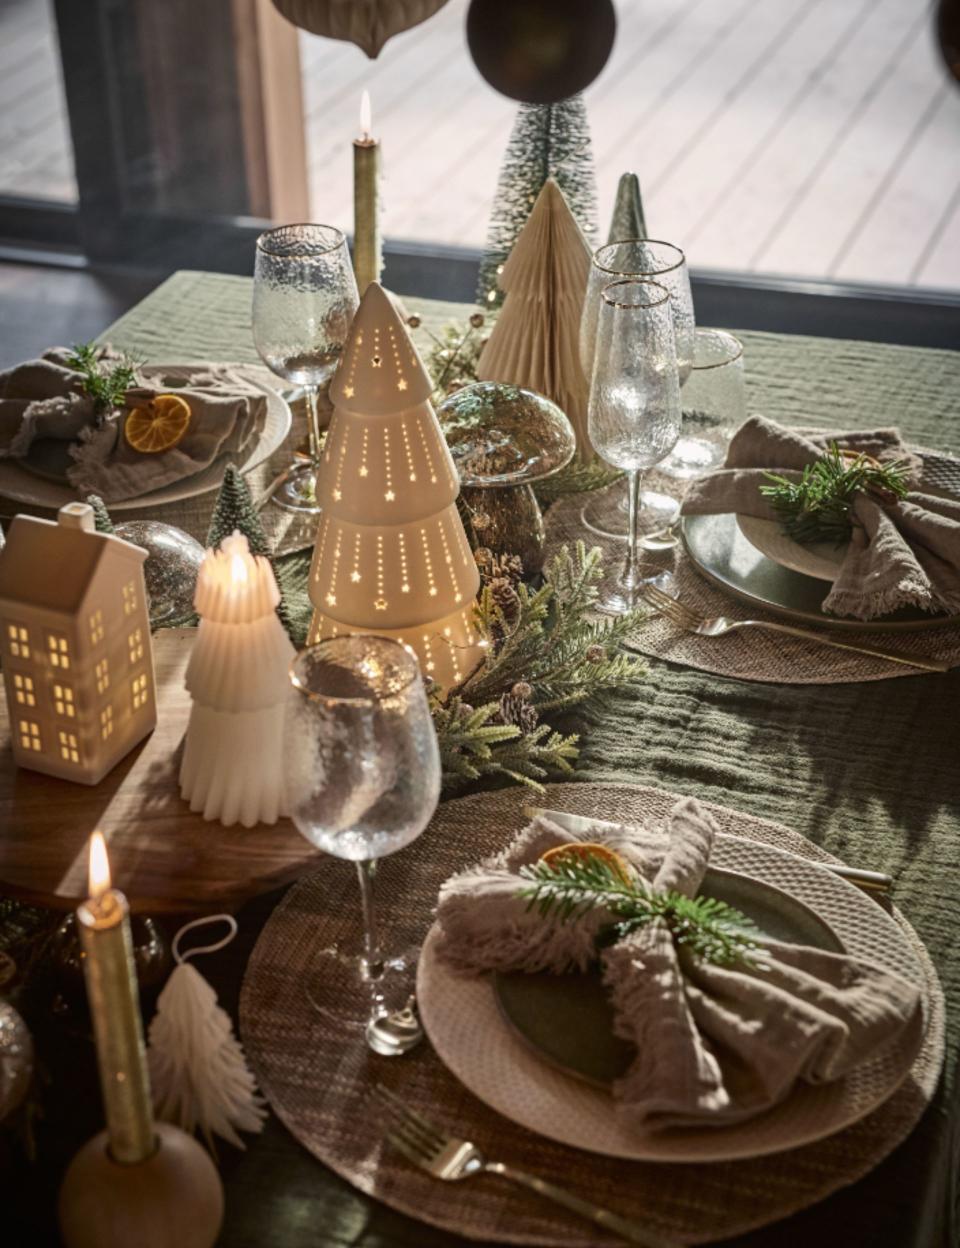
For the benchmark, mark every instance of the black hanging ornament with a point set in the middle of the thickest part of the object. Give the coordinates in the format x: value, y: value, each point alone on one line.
x: 540, y: 51
x: 948, y: 34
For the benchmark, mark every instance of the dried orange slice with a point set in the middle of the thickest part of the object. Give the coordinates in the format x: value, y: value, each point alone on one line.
x: 158, y: 425
x: 587, y: 849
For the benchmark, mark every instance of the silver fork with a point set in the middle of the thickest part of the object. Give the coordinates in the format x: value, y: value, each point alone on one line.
x: 718, y: 626
x: 448, y: 1158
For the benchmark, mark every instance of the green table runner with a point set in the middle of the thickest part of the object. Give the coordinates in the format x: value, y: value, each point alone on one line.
x: 869, y: 771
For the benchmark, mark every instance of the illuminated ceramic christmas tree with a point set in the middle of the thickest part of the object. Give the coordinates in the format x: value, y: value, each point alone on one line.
x: 536, y: 340
x: 391, y: 555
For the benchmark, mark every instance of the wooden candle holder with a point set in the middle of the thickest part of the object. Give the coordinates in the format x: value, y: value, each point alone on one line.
x: 174, y: 1199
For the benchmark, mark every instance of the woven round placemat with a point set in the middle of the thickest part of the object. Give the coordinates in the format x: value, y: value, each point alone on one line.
x: 749, y: 654
x: 318, y: 1075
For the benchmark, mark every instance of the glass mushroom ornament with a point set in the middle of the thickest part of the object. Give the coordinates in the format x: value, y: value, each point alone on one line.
x: 391, y: 556
x: 237, y: 677
x: 503, y: 439
x: 75, y: 645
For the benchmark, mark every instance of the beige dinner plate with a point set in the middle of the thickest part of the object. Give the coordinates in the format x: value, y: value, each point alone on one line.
x: 818, y: 559
x: 464, y: 1023
x: 22, y: 486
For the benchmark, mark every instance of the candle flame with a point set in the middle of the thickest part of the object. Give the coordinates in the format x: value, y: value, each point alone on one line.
x: 99, y: 871
x: 238, y: 570
x: 366, y: 122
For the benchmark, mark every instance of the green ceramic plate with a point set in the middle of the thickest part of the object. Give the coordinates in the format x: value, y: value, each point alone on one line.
x: 723, y: 555
x: 568, y: 1020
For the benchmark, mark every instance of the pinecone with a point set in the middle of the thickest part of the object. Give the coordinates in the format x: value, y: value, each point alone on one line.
x: 505, y: 596
x: 493, y: 567
x: 595, y: 654
x: 522, y: 690
x: 518, y: 711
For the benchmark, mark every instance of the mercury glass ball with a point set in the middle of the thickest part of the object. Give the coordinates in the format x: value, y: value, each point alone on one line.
x: 16, y: 1059
x: 170, y: 572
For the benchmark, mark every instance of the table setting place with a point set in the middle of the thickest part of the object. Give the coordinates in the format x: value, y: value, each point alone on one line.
x: 514, y: 607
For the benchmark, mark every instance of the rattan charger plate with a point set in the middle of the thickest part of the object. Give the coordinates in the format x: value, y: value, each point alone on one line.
x: 317, y: 1073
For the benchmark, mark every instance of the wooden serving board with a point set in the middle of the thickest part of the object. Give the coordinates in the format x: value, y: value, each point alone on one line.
x: 163, y: 857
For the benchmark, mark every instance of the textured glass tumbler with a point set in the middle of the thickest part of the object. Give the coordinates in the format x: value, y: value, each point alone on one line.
x: 607, y: 512
x: 633, y: 417
x: 304, y: 299
x: 362, y: 769
x: 714, y: 404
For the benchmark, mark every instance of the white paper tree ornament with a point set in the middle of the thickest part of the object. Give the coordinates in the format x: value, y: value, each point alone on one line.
x: 237, y: 676
x: 198, y: 1072
x: 536, y: 340
x: 391, y: 556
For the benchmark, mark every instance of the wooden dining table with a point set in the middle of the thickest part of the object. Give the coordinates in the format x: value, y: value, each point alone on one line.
x: 869, y: 771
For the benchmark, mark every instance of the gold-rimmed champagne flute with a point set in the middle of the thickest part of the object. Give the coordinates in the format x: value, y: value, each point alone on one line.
x: 633, y: 416
x: 643, y: 259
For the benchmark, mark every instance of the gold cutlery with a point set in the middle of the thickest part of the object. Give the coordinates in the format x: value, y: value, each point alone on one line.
x: 718, y: 626
x: 448, y: 1158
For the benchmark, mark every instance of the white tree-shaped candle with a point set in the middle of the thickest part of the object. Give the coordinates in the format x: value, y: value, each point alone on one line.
x: 237, y: 676
x: 391, y: 555
x: 536, y: 340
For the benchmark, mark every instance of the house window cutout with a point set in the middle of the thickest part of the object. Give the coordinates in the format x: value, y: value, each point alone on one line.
x: 106, y: 722
x: 30, y: 735
x: 102, y: 674
x: 19, y: 640
x: 59, y: 651
x: 96, y: 628
x: 63, y: 701
x: 68, y: 747
x: 129, y: 598
x: 135, y: 642
x: 23, y: 689
x: 139, y: 691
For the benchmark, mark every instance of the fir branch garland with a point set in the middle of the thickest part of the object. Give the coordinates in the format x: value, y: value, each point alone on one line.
x: 571, y: 886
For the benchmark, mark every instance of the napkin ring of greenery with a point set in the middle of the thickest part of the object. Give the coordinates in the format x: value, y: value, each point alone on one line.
x: 819, y: 507
x: 569, y: 887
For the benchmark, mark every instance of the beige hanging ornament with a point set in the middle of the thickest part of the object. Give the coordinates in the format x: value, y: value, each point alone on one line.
x: 391, y: 556
x: 536, y: 340
x: 367, y: 23
x: 198, y: 1071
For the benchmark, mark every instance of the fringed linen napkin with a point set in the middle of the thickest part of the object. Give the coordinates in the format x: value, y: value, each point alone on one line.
x: 715, y: 1044
x: 44, y: 399
x: 902, y: 552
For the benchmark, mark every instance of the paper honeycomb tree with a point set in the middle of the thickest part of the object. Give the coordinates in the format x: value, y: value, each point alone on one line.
x: 391, y: 556
x: 232, y: 767
x: 536, y: 340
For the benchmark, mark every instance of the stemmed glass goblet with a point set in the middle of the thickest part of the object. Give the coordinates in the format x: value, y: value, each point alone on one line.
x: 362, y: 769
x: 304, y: 299
x: 633, y: 416
x: 641, y: 259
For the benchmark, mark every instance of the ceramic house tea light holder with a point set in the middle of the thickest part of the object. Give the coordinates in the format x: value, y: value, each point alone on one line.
x: 75, y: 645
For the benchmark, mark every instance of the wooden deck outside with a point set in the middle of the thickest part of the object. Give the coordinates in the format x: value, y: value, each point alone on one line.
x: 811, y: 138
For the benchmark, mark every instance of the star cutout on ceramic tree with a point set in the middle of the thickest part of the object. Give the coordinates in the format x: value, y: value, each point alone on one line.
x: 355, y: 577
x: 390, y: 496
x: 380, y: 604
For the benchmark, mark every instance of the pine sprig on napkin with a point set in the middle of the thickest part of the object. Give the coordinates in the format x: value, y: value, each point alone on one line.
x: 569, y: 887
x: 105, y: 385
x: 817, y: 507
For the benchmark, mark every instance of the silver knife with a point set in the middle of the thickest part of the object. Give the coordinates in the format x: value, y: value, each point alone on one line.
x: 876, y: 882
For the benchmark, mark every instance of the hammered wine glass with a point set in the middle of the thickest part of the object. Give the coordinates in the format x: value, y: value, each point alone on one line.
x: 643, y: 259
x: 714, y: 404
x: 304, y: 299
x: 362, y: 770
x: 633, y: 416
